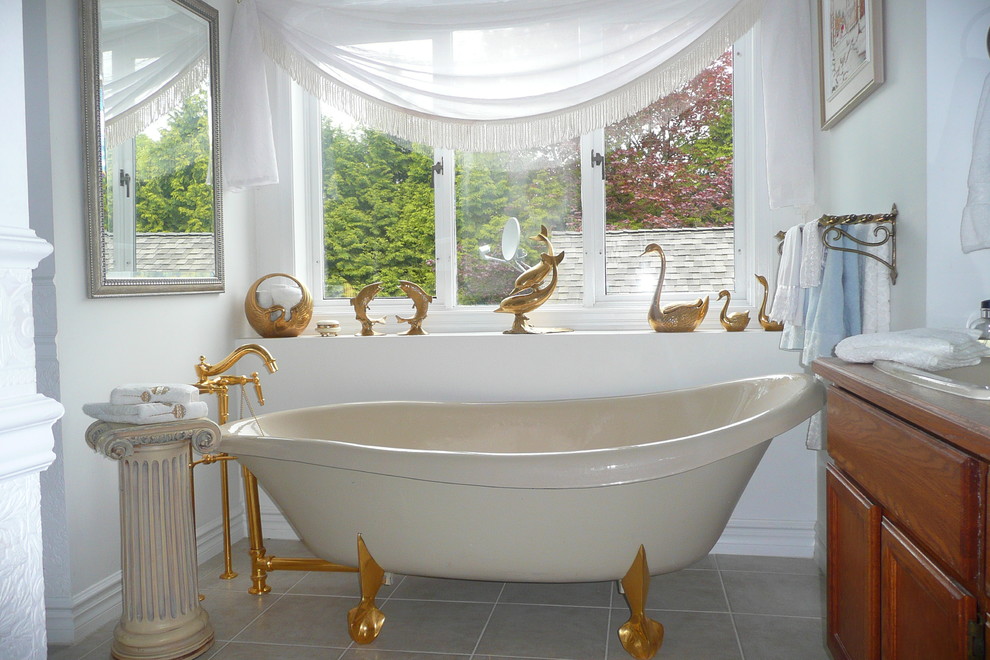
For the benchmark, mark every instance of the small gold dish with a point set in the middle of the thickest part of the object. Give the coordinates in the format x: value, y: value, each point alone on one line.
x: 328, y: 328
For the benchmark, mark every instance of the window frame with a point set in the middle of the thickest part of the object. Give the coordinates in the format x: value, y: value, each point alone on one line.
x: 599, y: 310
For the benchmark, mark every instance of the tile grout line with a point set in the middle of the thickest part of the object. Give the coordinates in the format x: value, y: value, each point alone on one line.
x: 728, y: 605
x: 487, y: 621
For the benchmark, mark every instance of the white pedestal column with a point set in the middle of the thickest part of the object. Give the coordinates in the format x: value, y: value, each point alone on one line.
x: 161, y: 618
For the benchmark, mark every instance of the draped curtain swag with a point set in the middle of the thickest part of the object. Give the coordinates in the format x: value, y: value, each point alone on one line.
x: 475, y: 75
x: 153, y: 60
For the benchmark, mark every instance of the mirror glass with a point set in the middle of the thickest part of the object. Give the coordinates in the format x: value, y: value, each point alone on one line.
x: 150, y: 70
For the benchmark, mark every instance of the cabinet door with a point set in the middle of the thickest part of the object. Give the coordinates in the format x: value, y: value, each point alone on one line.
x: 925, y: 612
x: 853, y: 570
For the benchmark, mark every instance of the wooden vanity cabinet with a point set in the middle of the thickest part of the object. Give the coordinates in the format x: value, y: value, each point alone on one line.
x: 906, y: 502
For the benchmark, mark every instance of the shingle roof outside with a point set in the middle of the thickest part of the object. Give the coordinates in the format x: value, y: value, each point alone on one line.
x: 169, y: 254
x: 699, y: 261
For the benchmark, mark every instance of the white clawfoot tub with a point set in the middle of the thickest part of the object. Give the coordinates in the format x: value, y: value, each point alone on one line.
x: 549, y: 491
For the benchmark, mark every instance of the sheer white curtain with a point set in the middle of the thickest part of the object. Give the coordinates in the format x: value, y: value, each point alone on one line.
x: 154, y: 58
x: 479, y: 75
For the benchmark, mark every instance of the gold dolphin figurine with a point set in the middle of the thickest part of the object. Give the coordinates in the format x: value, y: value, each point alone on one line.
x: 521, y: 303
x: 768, y: 325
x: 533, y: 276
x: 421, y: 303
x: 361, y: 302
x: 676, y: 317
x: 734, y: 322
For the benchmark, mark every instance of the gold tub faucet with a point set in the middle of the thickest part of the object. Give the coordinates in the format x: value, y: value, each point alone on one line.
x: 212, y: 381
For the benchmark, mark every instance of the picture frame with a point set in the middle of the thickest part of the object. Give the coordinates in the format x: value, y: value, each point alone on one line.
x: 850, y: 50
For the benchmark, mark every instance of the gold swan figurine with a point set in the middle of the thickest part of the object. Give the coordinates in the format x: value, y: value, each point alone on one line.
x: 361, y: 302
x: 734, y: 322
x: 768, y: 325
x: 676, y: 317
x: 421, y: 303
x: 527, y: 294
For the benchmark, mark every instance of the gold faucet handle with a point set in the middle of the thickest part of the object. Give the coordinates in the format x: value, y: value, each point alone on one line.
x: 257, y: 388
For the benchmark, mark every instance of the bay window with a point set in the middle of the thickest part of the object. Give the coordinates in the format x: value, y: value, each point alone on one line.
x: 389, y: 209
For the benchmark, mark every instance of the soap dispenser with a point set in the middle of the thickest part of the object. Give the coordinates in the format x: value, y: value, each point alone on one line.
x: 983, y: 323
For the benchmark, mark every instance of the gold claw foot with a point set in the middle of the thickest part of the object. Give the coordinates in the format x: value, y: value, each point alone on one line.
x: 641, y: 636
x: 364, y: 622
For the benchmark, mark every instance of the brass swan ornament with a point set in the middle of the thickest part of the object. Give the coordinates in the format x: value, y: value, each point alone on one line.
x: 768, y: 325
x: 421, y: 303
x: 734, y: 322
x: 676, y: 317
x: 361, y: 302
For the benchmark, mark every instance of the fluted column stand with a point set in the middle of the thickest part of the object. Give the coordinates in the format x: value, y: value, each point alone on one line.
x: 162, y: 617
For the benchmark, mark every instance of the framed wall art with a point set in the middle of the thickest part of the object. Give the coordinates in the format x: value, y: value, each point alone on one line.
x: 850, y: 48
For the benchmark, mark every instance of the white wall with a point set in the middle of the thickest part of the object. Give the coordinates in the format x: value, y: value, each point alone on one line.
x: 875, y: 156
x: 106, y: 342
x: 957, y: 65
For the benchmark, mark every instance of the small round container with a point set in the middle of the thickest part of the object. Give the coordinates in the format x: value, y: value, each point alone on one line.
x: 328, y: 328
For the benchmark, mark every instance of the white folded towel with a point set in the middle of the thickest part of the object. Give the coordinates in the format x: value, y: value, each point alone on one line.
x: 924, y: 348
x: 166, y: 393
x: 145, y: 413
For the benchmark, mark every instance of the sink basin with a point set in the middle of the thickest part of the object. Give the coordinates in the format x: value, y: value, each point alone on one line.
x: 969, y: 382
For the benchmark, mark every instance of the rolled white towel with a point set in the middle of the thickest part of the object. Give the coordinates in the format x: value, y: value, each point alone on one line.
x: 924, y: 348
x: 156, y: 393
x: 145, y: 413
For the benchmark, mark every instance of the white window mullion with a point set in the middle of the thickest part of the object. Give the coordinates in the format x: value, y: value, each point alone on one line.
x: 593, y: 216
x: 446, y: 227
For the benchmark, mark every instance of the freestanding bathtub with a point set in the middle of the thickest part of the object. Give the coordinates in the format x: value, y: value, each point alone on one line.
x: 550, y: 491
x: 578, y: 490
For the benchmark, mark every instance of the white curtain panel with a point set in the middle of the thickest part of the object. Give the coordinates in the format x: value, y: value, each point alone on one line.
x: 476, y: 75
x: 154, y: 56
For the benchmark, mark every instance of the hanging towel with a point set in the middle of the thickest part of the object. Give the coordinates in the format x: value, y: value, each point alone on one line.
x: 144, y: 413
x: 788, y: 300
x: 158, y: 393
x: 834, y: 307
x: 931, y: 349
x: 975, y: 228
x: 812, y: 255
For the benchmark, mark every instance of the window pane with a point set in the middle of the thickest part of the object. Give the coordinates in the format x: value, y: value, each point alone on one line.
x: 538, y: 187
x: 669, y: 181
x: 378, y: 220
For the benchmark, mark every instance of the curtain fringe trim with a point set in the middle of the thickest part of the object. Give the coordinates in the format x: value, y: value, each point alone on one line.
x: 135, y: 120
x: 517, y: 133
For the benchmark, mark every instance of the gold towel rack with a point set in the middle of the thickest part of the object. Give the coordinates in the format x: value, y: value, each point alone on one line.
x: 885, y: 230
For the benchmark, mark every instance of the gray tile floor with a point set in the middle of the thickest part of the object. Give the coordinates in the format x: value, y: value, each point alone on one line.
x: 725, y: 606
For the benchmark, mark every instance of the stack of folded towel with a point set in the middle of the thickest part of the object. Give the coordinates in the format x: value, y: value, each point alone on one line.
x: 924, y: 348
x: 149, y: 404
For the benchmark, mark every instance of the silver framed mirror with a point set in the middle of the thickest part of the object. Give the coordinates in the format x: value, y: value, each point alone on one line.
x: 151, y: 115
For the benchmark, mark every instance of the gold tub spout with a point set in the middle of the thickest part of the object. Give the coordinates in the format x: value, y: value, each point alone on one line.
x: 205, y: 370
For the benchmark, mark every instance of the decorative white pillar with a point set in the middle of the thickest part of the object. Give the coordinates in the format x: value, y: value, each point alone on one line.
x: 161, y: 616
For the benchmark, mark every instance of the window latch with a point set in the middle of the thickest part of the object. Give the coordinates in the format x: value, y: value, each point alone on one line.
x: 438, y: 166
x: 125, y: 180
x: 598, y: 160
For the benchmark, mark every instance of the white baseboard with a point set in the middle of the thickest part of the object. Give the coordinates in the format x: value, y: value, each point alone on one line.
x: 274, y: 525
x: 768, y: 538
x: 72, y: 619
